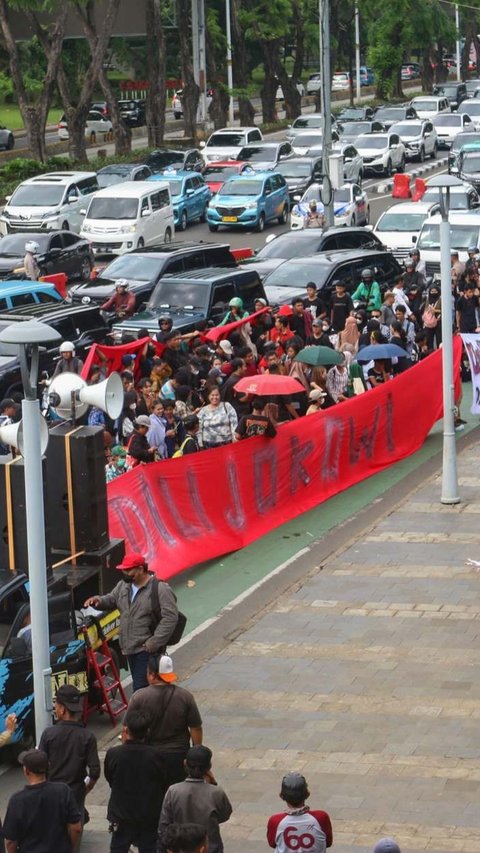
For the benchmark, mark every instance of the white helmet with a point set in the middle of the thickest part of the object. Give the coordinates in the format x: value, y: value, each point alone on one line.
x: 122, y: 282
x: 32, y: 246
x: 67, y: 346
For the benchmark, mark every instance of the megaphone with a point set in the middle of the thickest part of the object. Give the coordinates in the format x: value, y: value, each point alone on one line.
x: 12, y: 435
x: 106, y: 395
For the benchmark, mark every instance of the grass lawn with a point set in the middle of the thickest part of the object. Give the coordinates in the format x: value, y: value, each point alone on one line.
x: 10, y: 116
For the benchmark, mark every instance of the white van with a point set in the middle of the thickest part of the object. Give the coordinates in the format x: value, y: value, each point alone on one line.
x: 399, y: 226
x: 51, y: 201
x: 129, y: 216
x: 464, y: 232
x: 427, y: 106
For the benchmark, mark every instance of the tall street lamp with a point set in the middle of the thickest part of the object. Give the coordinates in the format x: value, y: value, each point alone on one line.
x: 29, y: 336
x: 444, y: 183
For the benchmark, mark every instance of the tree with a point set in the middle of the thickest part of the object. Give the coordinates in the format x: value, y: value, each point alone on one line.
x: 242, y: 77
x: 156, y: 61
x: 34, y: 110
x: 191, y: 92
x: 216, y: 48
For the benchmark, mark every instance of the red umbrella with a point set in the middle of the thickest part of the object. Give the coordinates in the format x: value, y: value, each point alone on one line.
x: 265, y: 385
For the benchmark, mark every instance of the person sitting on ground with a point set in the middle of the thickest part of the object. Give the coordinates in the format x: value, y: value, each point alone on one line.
x: 186, y: 838
x: 255, y: 423
x: 199, y: 799
x: 139, y: 450
x: 298, y: 821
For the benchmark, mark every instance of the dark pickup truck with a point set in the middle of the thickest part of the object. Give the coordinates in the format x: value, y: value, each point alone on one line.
x: 190, y: 297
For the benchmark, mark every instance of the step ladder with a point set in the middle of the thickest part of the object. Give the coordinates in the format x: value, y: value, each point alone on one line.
x: 103, y: 679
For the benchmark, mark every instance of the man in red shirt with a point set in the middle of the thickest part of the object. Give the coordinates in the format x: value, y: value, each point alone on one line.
x: 298, y: 828
x: 122, y: 303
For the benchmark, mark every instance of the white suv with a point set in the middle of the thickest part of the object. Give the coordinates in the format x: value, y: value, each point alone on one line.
x: 383, y: 153
x: 399, y: 226
x: 419, y: 138
x: 50, y: 201
x: 225, y: 144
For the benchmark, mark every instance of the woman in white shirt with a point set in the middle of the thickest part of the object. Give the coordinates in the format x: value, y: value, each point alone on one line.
x: 218, y: 421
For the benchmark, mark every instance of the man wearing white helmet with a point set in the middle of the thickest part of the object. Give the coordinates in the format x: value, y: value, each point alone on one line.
x: 32, y: 270
x: 122, y: 303
x: 68, y: 362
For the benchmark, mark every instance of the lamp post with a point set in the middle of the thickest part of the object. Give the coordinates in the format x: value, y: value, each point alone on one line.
x: 325, y: 102
x: 444, y: 184
x: 229, y: 62
x: 29, y: 336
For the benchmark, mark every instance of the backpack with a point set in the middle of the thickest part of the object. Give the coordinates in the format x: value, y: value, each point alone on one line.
x: 180, y: 450
x: 177, y: 632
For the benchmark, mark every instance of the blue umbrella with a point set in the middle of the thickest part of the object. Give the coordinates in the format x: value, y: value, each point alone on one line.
x: 375, y: 352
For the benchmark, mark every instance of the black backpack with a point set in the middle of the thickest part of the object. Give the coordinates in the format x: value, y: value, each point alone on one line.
x: 177, y: 632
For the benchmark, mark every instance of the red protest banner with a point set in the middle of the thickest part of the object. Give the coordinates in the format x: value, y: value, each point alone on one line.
x: 182, y: 511
x: 111, y: 357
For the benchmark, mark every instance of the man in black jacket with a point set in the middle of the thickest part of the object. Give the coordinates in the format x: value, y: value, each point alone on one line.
x: 138, y: 446
x: 135, y: 773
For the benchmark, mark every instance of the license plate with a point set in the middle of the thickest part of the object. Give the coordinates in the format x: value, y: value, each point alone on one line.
x: 229, y: 218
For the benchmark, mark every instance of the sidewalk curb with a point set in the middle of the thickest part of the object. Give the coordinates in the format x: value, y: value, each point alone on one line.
x: 417, y: 173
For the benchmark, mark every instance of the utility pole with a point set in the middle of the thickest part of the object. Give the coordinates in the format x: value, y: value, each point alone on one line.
x: 229, y: 62
x: 198, y: 55
x: 327, y: 191
x: 357, y: 50
x: 457, y: 37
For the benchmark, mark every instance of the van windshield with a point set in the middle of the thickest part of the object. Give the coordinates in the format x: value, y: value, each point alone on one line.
x: 461, y: 236
x: 39, y: 195
x: 113, y: 208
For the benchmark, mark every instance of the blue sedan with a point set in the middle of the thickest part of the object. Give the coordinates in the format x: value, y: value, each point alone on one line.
x: 190, y: 196
x: 250, y: 201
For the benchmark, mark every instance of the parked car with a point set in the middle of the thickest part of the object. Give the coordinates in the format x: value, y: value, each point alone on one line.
x: 448, y: 126
x: 145, y: 267
x: 188, y: 298
x: 133, y: 112
x: 427, y: 106
x: 265, y: 155
x: 226, y: 143
x: 351, y: 130
x: 419, y: 138
x: 7, y: 139
x: 190, y: 196
x: 383, y: 153
x: 410, y: 71
x: 459, y: 142
x: 350, y: 206
x: 455, y: 92
x: 399, y: 226
x: 83, y: 325
x: 50, y: 201
x: 390, y: 115
x: 216, y: 173
x: 60, y: 251
x: 101, y: 107
x: 309, y: 241
x: 250, y: 201
x: 367, y: 77
x: 98, y: 127
x: 303, y: 139
x: 469, y: 165
x: 299, y: 173
x: 119, y: 173
x: 314, y: 83
x: 355, y: 114
x: 309, y: 121
x: 21, y: 293
x: 352, y: 160
x: 341, y: 80
x: 186, y: 160
x: 471, y: 86
x: 472, y: 108
x: 464, y: 197
x: 290, y: 278
x: 464, y: 232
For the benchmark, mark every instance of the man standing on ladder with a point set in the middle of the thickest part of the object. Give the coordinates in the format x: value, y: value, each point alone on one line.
x: 146, y: 625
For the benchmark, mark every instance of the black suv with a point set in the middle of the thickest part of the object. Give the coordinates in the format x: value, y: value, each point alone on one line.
x: 144, y: 267
x: 83, y: 325
x: 290, y: 278
x: 455, y: 92
x: 294, y: 244
x: 60, y: 251
x: 133, y: 112
x: 390, y: 114
x: 299, y: 173
x: 190, y: 297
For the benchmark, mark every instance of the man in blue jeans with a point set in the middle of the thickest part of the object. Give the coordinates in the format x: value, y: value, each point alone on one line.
x: 141, y: 635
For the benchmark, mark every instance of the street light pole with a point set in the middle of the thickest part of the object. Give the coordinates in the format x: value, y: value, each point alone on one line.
x: 327, y: 191
x: 449, y: 467
x: 29, y: 336
x: 457, y: 40
x: 229, y: 62
x: 357, y: 50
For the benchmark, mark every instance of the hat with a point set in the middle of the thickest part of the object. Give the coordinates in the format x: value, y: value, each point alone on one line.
x: 127, y: 359
x: 131, y: 561
x: 165, y: 668
x: 386, y: 845
x: 317, y: 322
x: 34, y: 760
x: 70, y: 696
x: 316, y: 394
x: 118, y: 450
x: 226, y: 347
x: 285, y: 311
x: 143, y: 420
x: 294, y: 783
x: 262, y: 301
x: 338, y: 283
x: 200, y: 756
x: 454, y: 253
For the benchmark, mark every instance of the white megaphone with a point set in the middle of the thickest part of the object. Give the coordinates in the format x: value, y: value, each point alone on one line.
x: 12, y: 435
x: 106, y: 395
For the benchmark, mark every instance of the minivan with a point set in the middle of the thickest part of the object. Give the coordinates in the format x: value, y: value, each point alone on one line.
x: 426, y: 106
x: 51, y: 201
x: 464, y: 232
x: 455, y: 92
x: 129, y: 216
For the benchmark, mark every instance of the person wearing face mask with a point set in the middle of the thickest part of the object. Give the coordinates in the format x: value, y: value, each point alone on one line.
x: 319, y: 336
x: 141, y: 633
x: 117, y: 463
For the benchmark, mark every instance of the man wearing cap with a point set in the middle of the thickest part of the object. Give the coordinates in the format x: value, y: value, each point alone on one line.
x: 319, y: 337
x: 43, y: 817
x: 138, y: 447
x: 122, y: 303
x: 174, y: 717
x: 196, y: 800
x: 298, y: 828
x: 70, y: 747
x: 117, y: 464
x: 141, y: 635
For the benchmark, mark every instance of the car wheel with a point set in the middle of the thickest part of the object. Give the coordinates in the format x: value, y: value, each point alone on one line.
x: 434, y: 153
x: 421, y: 155
x: 203, y: 216
x: 168, y: 236
x: 85, y: 269
x: 11, y: 142
x: 141, y: 243
x: 388, y: 169
x: 353, y: 221
x: 367, y: 216
x: 65, y: 226
x: 182, y: 224
x: 212, y: 228
x: 261, y: 223
x: 284, y: 216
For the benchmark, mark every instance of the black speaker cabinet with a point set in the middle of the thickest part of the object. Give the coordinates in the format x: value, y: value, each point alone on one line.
x: 77, y: 492
x: 13, y: 519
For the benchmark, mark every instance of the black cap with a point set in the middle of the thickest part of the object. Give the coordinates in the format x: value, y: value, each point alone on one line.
x: 69, y: 696
x: 338, y: 283
x: 294, y: 783
x: 34, y: 760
